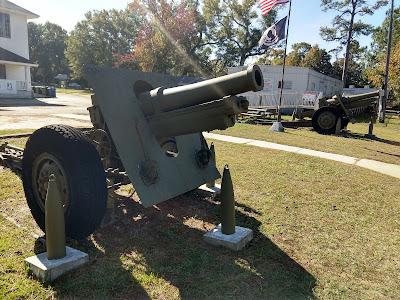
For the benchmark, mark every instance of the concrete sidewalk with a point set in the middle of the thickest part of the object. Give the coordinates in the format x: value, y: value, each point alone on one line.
x: 35, y: 113
x: 377, y: 166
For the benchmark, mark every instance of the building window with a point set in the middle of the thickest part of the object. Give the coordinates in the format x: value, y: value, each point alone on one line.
x: 2, y: 71
x: 5, y: 30
x: 287, y: 85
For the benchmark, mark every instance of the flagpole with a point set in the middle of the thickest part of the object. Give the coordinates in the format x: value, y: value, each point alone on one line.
x: 284, y: 64
x: 387, y: 70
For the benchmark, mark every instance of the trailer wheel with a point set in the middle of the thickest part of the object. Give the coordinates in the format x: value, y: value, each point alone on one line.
x: 324, y: 120
x: 65, y: 152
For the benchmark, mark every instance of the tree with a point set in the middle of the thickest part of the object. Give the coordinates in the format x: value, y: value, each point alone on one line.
x: 377, y: 59
x: 376, y: 74
x: 345, y: 29
x: 169, y: 39
x: 234, y: 29
x: 394, y: 84
x: 100, y: 38
x: 380, y: 34
x: 273, y: 56
x: 47, y: 43
x: 319, y: 60
x: 313, y: 57
x: 356, y: 67
x: 296, y: 56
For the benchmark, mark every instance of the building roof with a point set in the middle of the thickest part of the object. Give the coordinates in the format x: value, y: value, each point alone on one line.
x: 6, y: 55
x: 278, y: 68
x: 9, y: 6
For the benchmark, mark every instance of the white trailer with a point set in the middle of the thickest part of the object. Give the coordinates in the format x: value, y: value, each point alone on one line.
x: 302, y: 87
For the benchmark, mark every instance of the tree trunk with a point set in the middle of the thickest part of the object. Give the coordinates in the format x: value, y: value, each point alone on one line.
x: 348, y: 47
x: 242, y: 59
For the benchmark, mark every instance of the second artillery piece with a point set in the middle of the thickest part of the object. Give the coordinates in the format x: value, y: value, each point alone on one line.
x: 344, y: 109
x: 143, y: 133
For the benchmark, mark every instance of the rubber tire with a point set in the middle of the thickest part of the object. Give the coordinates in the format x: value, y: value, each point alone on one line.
x: 316, y: 125
x: 85, y: 175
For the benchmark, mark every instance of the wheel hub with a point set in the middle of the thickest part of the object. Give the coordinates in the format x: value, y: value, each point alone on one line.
x: 327, y: 120
x: 45, y: 165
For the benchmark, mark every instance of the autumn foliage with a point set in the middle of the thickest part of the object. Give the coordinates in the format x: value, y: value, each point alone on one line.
x: 168, y: 35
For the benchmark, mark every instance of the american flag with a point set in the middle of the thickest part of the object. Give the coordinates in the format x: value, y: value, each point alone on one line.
x: 267, y: 5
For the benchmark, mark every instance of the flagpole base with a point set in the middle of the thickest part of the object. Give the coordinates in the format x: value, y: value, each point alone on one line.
x: 277, y: 127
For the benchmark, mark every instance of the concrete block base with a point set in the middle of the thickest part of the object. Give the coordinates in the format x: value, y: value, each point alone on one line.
x: 215, y: 190
x: 49, y: 270
x: 235, y: 242
x: 277, y: 127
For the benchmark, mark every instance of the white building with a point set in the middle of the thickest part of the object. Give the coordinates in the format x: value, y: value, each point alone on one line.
x: 15, y: 75
x: 301, y: 86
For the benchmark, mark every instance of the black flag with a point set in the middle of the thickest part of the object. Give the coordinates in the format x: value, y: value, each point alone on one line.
x: 273, y: 34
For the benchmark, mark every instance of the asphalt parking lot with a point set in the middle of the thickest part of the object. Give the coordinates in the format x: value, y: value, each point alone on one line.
x: 35, y: 113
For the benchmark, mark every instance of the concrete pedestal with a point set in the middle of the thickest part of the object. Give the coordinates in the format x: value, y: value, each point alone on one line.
x: 215, y: 190
x: 49, y: 270
x: 277, y: 127
x: 235, y: 242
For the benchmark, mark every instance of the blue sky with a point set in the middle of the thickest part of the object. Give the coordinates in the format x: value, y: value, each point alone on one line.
x: 307, y: 16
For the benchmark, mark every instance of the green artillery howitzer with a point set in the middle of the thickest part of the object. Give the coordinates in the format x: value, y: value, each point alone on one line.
x: 145, y: 132
x: 345, y: 109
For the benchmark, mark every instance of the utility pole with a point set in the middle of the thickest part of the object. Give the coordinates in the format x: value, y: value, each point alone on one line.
x: 382, y: 114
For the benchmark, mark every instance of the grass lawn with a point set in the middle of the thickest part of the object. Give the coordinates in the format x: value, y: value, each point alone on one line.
x: 73, y: 91
x: 14, y: 131
x: 322, y: 230
x: 19, y: 142
x: 385, y: 148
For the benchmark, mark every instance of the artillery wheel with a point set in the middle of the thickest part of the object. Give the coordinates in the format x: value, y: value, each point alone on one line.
x: 65, y: 152
x: 324, y: 120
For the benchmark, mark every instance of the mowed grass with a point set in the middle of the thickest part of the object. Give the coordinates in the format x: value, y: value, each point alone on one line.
x: 14, y: 131
x: 385, y: 148
x: 73, y: 91
x: 321, y: 230
x: 19, y: 142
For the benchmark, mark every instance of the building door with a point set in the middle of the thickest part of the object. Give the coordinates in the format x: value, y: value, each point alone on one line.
x: 2, y: 71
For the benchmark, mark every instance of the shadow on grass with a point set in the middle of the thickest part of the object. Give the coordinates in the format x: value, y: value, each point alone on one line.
x: 165, y: 242
x: 25, y: 103
x: 102, y: 278
x: 358, y: 136
x: 387, y: 153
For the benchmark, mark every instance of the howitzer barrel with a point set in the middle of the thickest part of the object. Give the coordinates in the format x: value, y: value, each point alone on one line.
x: 164, y: 100
x: 363, y: 96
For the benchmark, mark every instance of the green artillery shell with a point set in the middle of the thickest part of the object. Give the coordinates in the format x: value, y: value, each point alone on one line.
x: 55, y: 224
x: 228, y: 222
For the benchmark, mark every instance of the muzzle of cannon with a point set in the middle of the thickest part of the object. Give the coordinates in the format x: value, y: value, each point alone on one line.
x: 198, y: 107
x: 168, y: 99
